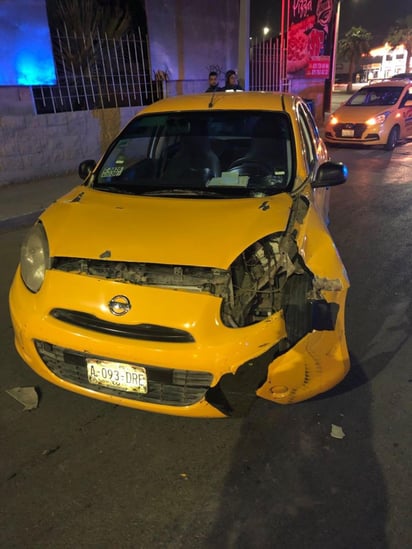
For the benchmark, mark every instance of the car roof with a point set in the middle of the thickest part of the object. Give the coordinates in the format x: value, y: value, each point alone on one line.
x: 271, y: 101
x: 387, y: 84
x: 402, y: 76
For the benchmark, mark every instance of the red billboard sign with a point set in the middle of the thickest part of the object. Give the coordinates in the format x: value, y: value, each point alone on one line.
x: 310, y: 38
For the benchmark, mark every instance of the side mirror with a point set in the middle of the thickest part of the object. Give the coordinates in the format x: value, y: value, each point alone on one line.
x: 330, y: 174
x: 86, y: 167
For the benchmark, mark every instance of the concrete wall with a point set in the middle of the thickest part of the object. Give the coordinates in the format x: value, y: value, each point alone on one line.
x: 33, y: 146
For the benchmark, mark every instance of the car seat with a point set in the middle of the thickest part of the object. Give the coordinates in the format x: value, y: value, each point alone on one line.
x: 267, y: 151
x: 194, y: 162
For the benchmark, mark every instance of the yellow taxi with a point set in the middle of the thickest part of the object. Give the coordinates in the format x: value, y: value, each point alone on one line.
x: 192, y: 270
x: 378, y: 114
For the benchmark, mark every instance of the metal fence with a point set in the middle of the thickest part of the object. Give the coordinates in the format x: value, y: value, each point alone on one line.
x: 98, y: 72
x: 268, y: 65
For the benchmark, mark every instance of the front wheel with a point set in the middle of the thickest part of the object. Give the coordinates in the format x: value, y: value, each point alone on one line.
x: 393, y: 139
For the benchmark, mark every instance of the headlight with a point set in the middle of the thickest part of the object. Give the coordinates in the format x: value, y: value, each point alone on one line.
x: 333, y: 120
x: 380, y: 119
x: 34, y: 258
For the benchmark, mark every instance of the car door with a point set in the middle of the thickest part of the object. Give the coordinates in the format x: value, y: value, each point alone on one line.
x: 406, y: 110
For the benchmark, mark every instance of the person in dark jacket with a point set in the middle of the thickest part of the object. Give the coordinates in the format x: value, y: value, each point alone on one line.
x: 231, y: 81
x: 213, y: 83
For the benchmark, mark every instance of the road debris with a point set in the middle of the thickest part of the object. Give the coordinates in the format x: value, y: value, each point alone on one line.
x: 25, y: 395
x: 50, y: 450
x: 337, y: 432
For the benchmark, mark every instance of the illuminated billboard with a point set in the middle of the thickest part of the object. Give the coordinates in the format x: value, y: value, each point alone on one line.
x: 26, y: 56
x: 310, y: 38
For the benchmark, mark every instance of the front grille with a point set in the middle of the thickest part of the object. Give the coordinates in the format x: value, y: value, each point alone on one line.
x: 148, y: 332
x: 165, y: 385
x: 357, y: 128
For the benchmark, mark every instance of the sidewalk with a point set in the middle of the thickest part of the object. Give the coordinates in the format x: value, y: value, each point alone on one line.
x: 22, y: 203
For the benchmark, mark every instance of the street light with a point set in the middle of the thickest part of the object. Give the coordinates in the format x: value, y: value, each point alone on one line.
x: 266, y: 31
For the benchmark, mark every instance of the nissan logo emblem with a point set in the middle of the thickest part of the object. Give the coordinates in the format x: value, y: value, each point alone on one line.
x: 119, y: 305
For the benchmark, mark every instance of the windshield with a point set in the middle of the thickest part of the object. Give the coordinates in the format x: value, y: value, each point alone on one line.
x: 212, y: 153
x: 375, y: 96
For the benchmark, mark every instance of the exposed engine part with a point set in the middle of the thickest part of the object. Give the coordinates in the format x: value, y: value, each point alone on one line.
x: 193, y: 279
x: 250, y: 290
x: 327, y: 284
x: 258, y: 276
x: 266, y: 278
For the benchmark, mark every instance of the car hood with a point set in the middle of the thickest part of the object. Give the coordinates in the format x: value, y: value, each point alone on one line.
x: 360, y: 114
x: 87, y: 223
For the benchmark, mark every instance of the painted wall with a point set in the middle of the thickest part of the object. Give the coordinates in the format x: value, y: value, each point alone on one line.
x: 26, y: 57
x: 188, y: 36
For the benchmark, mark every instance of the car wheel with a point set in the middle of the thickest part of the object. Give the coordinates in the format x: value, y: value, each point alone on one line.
x: 393, y: 139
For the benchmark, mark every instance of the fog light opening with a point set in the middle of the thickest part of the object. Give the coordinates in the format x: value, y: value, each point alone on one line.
x: 279, y: 390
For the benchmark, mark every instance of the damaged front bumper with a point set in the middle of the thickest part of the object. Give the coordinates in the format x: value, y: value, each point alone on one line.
x: 221, y: 377
x: 285, y: 374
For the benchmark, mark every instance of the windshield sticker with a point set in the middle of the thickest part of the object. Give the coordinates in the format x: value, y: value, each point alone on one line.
x: 120, y: 159
x: 229, y: 179
x: 115, y: 171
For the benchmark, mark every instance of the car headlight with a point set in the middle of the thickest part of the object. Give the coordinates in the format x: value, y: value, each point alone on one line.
x: 380, y: 119
x: 333, y: 120
x: 34, y: 258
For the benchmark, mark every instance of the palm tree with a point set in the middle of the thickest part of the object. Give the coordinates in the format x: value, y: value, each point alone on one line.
x: 401, y: 33
x: 85, y: 21
x: 351, y: 47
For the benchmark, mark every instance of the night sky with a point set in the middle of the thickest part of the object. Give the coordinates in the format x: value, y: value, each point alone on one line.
x: 376, y: 16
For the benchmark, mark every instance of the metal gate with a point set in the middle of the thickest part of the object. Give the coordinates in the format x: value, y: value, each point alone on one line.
x: 268, y: 65
x: 97, y: 72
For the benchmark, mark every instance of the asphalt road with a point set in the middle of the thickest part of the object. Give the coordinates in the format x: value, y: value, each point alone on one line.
x: 80, y: 473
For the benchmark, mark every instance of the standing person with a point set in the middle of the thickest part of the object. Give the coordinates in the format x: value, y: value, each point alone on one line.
x: 213, y: 82
x: 231, y: 81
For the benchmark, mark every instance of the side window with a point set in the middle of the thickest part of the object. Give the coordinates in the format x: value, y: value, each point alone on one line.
x: 408, y: 97
x: 310, y: 120
x: 309, y: 139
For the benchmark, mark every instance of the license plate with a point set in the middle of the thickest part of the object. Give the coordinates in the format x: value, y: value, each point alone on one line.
x: 117, y: 375
x: 348, y: 133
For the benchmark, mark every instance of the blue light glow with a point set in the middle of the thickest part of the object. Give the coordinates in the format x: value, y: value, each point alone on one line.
x: 26, y: 56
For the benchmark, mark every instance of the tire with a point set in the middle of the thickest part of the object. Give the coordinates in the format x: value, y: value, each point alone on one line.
x: 393, y: 139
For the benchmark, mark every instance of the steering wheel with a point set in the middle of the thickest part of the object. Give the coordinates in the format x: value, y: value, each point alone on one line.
x: 250, y: 167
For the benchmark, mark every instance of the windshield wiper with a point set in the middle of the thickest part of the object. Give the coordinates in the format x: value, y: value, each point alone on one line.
x: 180, y: 192
x: 119, y: 189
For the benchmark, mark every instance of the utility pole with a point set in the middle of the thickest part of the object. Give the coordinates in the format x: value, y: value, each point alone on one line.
x: 244, y: 43
x: 332, y: 70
